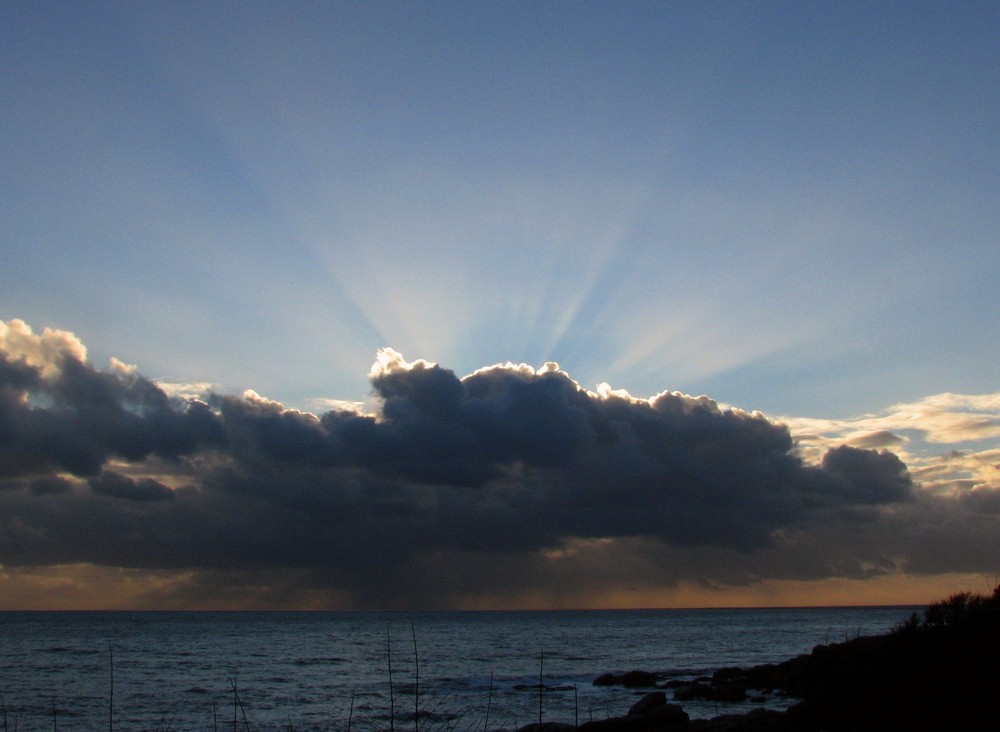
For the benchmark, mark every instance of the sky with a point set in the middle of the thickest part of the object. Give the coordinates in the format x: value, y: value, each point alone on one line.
x: 491, y: 305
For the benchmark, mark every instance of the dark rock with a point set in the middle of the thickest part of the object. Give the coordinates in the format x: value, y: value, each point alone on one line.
x: 688, y: 692
x: 727, y: 674
x: 758, y: 720
x: 727, y: 694
x: 547, y: 727
x: 629, y: 679
x: 647, y: 703
x: 670, y: 716
x: 710, y: 692
x: 664, y: 718
x: 639, y: 679
x: 650, y: 714
x: 616, y: 724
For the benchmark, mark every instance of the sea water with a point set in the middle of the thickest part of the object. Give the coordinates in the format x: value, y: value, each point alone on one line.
x: 331, y: 670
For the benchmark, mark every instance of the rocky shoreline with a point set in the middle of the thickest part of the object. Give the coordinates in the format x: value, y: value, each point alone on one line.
x: 941, y: 672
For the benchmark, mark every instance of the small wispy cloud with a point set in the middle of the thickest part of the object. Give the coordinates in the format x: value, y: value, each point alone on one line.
x: 967, y: 420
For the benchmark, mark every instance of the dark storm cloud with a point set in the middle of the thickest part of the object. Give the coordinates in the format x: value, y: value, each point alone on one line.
x: 78, y: 419
x: 116, y: 485
x: 508, y: 459
x: 504, y: 463
x: 50, y: 484
x: 866, y: 476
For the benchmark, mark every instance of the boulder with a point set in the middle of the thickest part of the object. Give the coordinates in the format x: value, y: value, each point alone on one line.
x: 647, y: 703
x: 689, y: 691
x: 547, y: 727
x: 665, y: 718
x: 727, y: 673
x: 630, y: 679
x: 757, y: 720
x: 710, y: 692
x: 668, y: 716
x: 616, y: 724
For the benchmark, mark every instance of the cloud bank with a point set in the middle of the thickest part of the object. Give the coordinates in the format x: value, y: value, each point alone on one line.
x: 509, y: 482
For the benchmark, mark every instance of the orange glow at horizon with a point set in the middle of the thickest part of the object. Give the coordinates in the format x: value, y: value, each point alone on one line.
x: 88, y: 587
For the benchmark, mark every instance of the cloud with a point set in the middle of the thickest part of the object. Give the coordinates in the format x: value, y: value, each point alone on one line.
x: 187, y: 391
x: 116, y: 485
x: 449, y: 488
x: 874, y: 440
x: 966, y: 420
x: 869, y: 477
x: 45, y: 352
x: 941, y: 418
x: 61, y: 414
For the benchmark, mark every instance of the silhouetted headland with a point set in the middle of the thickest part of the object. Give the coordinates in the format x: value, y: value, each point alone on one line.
x: 938, y: 672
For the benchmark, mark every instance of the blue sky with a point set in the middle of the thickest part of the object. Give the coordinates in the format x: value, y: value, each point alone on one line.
x: 789, y: 207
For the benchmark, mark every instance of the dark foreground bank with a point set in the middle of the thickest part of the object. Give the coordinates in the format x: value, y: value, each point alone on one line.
x: 941, y: 671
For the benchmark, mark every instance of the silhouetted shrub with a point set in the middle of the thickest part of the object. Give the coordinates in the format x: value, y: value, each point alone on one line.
x: 962, y: 608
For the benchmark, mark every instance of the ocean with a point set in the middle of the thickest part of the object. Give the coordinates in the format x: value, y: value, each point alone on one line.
x: 302, y: 671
